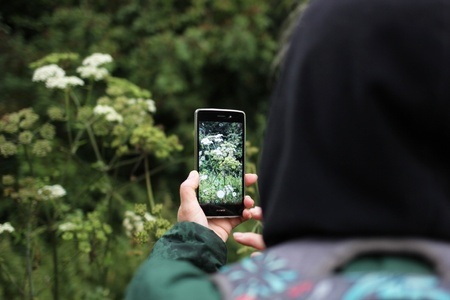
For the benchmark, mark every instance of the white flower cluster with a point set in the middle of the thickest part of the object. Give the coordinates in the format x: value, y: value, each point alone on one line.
x: 68, y: 226
x: 42, y: 74
x: 91, y: 66
x: 52, y: 192
x: 135, y: 223
x: 55, y: 77
x: 97, y: 59
x: 63, y: 82
x: 151, y: 107
x: 6, y: 227
x: 228, y: 189
x: 109, y: 112
x: 212, y: 138
x: 206, y: 141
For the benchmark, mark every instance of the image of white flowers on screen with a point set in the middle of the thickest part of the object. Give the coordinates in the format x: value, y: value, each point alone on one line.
x: 220, y: 162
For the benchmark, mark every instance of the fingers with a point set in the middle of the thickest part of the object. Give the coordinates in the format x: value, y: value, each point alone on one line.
x: 188, y: 187
x: 250, y: 239
x: 256, y: 213
x: 250, y: 179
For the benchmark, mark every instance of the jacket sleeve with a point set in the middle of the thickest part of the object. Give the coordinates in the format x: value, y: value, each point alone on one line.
x: 179, y: 265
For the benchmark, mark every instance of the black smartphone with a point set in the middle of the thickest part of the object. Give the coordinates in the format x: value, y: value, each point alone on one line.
x: 220, y: 161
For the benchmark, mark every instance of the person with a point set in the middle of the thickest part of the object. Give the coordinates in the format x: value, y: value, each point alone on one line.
x: 355, y: 170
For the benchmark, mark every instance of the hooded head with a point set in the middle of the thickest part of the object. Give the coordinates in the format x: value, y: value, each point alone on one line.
x: 357, y: 143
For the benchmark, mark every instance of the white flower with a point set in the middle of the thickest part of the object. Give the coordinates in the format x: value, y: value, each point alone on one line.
x: 68, y: 226
x: 234, y: 194
x: 63, y: 82
x: 109, y: 112
x: 46, y: 72
x: 151, y: 105
x: 229, y: 189
x: 135, y: 223
x: 97, y: 59
x: 205, y: 141
x: 52, y: 192
x: 220, y: 194
x: 217, y: 152
x: 149, y: 217
x: 6, y: 227
x: 203, y: 177
x: 95, y: 72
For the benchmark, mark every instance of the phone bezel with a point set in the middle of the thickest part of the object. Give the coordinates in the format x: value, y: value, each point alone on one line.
x: 221, y: 115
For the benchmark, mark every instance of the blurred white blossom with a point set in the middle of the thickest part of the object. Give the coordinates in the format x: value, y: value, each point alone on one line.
x: 63, y: 82
x: 6, y: 227
x: 151, y: 107
x: 205, y: 141
x: 97, y: 59
x: 134, y: 223
x: 109, y: 112
x: 52, y: 192
x: 48, y: 71
x: 220, y: 194
x: 92, y: 72
x: 68, y: 226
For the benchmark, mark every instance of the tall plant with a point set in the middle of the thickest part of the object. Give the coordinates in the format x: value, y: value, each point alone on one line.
x: 67, y: 189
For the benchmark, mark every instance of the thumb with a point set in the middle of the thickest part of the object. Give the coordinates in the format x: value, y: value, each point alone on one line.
x: 188, y: 187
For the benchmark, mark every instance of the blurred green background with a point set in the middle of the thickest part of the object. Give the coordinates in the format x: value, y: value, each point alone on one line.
x: 188, y: 54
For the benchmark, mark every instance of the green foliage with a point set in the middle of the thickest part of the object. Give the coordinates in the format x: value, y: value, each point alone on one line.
x: 54, y: 204
x: 103, y: 140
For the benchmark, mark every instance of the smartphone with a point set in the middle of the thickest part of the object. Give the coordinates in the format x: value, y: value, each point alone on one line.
x: 220, y: 161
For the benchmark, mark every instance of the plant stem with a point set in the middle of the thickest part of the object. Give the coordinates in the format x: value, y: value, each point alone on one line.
x: 55, y: 265
x: 148, y: 184
x: 69, y: 132
x: 93, y: 142
x: 27, y: 158
x: 28, y: 255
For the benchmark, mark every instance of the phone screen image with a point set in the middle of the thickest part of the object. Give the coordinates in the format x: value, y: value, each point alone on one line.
x: 220, y: 163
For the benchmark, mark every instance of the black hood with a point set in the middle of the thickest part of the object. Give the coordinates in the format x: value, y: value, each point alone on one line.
x: 357, y: 143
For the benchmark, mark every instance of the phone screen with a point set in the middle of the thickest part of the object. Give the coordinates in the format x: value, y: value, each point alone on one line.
x: 220, y: 161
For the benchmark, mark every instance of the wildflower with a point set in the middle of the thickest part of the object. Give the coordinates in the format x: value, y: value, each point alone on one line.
x: 94, y: 72
x: 151, y: 105
x: 149, y: 217
x: 97, y: 59
x: 8, y: 180
x: 7, y: 149
x: 218, y: 138
x: 55, y: 113
x: 41, y: 148
x: 110, y: 113
x: 205, y: 141
x: 203, y: 177
x: 134, y: 223
x: 68, y: 226
x: 52, y: 192
x: 25, y: 137
x: 46, y: 72
x: 220, y: 194
x: 63, y: 82
x: 6, y: 227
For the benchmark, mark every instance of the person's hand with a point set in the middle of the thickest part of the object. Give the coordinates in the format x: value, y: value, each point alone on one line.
x: 191, y: 211
x: 252, y: 239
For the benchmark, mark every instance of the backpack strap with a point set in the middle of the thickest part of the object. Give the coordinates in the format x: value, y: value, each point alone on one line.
x: 324, y: 257
x: 306, y: 269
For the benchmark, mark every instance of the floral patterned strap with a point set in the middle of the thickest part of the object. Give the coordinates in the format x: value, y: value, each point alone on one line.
x: 305, y: 270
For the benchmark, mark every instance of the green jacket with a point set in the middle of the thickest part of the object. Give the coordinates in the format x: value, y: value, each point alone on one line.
x: 180, y: 265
